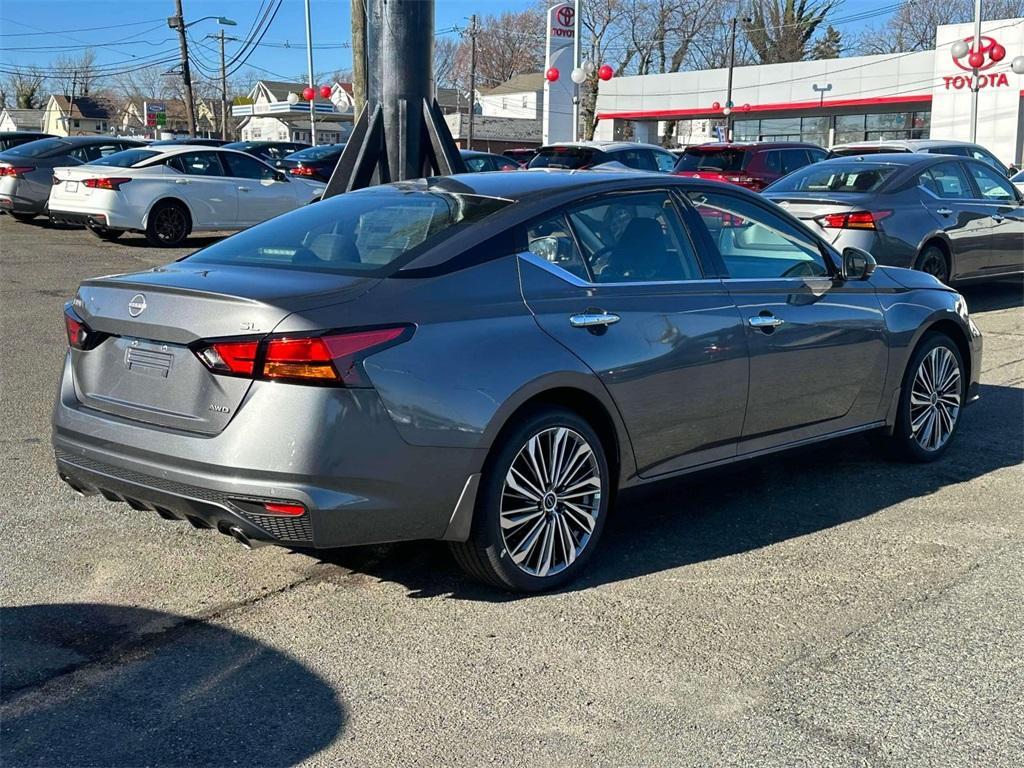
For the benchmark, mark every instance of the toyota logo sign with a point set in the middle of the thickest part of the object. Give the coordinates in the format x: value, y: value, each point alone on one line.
x: 987, y: 44
x: 565, y: 15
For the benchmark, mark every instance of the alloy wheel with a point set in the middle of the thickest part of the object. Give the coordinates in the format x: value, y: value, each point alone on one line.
x: 935, y: 399
x: 550, y: 501
x: 170, y: 224
x: 934, y: 264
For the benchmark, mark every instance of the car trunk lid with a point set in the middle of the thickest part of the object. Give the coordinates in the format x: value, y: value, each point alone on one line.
x: 810, y: 209
x: 145, y: 368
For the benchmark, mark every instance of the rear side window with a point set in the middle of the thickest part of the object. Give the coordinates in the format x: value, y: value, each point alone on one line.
x: 371, y: 232
x: 197, y: 164
x: 946, y: 181
x: 90, y: 152
x: 552, y: 240
x: 641, y: 159
x: 126, y: 158
x: 697, y: 159
x: 316, y: 153
x: 837, y: 176
x: 771, y: 161
x: 793, y: 159
x: 565, y: 157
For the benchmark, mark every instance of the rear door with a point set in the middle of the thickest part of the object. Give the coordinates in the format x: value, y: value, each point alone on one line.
x: 818, y: 352
x: 1003, y: 202
x: 204, y: 185
x: 617, y: 281
x: 261, y: 195
x: 953, y: 205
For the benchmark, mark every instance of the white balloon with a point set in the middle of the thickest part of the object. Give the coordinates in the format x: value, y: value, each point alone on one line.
x: 293, y: 98
x: 960, y: 49
x: 1017, y: 65
x: 727, y: 111
x: 578, y: 76
x: 589, y: 67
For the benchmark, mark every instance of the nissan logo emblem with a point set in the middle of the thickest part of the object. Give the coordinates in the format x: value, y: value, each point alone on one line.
x: 137, y: 305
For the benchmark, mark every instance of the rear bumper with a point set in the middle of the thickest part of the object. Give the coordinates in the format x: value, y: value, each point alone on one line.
x: 78, y: 219
x: 334, y: 451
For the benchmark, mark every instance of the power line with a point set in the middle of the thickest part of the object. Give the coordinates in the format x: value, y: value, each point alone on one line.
x: 80, y: 29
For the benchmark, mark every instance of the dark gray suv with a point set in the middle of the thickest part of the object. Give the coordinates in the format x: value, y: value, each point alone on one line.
x: 487, y: 358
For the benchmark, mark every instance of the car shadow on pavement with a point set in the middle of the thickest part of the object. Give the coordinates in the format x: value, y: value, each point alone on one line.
x: 744, y: 507
x: 102, y: 685
x: 998, y: 294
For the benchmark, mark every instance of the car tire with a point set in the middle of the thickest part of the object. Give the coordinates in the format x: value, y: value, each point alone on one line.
x: 168, y: 224
x: 934, y: 261
x: 929, y: 413
x: 525, y: 537
x: 23, y: 217
x: 106, y: 234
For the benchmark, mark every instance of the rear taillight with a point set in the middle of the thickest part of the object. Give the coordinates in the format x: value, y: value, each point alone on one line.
x: 80, y: 335
x: 328, y: 358
x: 112, y: 183
x: 302, y: 170
x: 854, y: 220
x: 15, y: 170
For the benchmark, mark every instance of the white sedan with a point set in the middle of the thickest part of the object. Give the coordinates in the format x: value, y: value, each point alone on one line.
x: 170, y: 191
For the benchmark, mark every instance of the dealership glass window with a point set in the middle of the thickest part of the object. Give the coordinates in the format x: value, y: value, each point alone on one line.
x: 781, y: 129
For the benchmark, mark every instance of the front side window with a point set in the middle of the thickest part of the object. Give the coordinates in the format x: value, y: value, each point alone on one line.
x: 371, y: 232
x: 245, y: 167
x: 634, y: 238
x: 666, y: 161
x: 993, y: 186
x: 197, y: 164
x: 946, y: 181
x: 756, y: 243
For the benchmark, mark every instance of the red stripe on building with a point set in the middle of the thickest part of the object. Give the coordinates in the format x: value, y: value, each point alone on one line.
x: 780, y: 107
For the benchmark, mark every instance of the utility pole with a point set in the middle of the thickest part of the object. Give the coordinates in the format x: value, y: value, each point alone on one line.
x: 974, y: 80
x: 576, y: 63
x: 312, y: 85
x: 472, y: 79
x: 728, y: 95
x: 223, y: 92
x: 186, y: 73
x: 71, y: 100
x: 358, y: 56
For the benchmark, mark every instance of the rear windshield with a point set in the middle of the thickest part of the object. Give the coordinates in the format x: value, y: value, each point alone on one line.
x: 317, y: 153
x: 41, y: 148
x: 372, y: 232
x: 697, y: 159
x: 849, y: 151
x: 836, y: 177
x: 563, y: 157
x: 126, y: 158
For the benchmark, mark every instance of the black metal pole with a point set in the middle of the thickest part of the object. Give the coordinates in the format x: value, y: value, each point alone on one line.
x: 472, y: 80
x: 728, y: 94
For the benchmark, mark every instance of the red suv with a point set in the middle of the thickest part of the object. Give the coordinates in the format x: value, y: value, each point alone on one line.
x: 753, y: 165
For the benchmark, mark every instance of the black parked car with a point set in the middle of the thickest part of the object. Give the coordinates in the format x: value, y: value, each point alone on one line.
x: 272, y: 152
x: 314, y: 162
x: 487, y: 358
x: 193, y: 141
x: 10, y: 139
x: 477, y: 162
x: 579, y: 155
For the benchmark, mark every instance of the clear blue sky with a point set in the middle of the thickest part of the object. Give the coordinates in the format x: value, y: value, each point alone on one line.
x: 70, y: 23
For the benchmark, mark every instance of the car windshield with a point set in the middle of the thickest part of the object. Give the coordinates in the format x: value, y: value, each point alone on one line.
x: 316, y: 153
x: 835, y: 177
x: 850, y: 151
x: 126, y: 158
x: 563, y: 157
x: 372, y: 232
x: 41, y: 148
x: 697, y: 159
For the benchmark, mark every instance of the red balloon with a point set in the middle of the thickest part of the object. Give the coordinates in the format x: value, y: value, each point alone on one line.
x: 308, y: 93
x: 552, y: 74
x: 997, y: 52
x: 605, y: 72
x: 325, y: 91
x: 745, y: 107
x: 716, y: 106
x: 976, y: 59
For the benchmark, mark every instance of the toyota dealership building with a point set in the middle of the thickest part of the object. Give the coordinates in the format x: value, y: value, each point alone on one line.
x: 924, y: 94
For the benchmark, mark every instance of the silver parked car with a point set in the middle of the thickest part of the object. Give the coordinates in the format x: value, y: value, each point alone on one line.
x: 487, y: 358
x: 955, y: 218
x: 26, y: 171
x: 927, y: 146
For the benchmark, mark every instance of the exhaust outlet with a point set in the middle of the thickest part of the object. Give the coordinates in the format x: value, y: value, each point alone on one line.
x: 239, y: 535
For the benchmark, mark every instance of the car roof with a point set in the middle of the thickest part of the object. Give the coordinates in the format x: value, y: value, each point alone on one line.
x: 606, y: 146
x: 887, y: 158
x: 752, y: 145
x: 907, y: 143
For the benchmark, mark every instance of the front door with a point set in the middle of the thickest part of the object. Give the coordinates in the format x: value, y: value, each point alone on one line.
x: 818, y: 353
x: 953, y: 205
x: 261, y: 195
x: 617, y: 281
x: 1004, y: 205
x: 201, y: 181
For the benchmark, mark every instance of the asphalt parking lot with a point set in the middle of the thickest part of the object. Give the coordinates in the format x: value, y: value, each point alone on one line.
x: 823, y: 608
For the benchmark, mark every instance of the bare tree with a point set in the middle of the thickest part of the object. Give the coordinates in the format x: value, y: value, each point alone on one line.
x: 507, y: 45
x: 25, y: 85
x: 77, y: 72
x: 912, y: 27
x: 780, y: 31
x: 446, y: 55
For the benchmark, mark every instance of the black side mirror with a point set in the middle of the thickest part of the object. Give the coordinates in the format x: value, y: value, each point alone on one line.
x: 280, y: 176
x: 858, y: 264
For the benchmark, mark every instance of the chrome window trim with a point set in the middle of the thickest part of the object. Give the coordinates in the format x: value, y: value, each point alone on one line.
x: 569, y: 277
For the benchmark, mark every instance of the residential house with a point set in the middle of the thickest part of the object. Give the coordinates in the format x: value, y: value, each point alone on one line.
x: 520, y: 97
x: 133, y: 118
x: 12, y: 119
x: 495, y: 134
x: 81, y: 117
x: 271, y: 117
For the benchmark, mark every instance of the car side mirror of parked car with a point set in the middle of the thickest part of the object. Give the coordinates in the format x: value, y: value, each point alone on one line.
x: 858, y: 264
x: 280, y: 176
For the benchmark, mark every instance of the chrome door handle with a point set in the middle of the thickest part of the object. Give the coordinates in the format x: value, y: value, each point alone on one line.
x: 182, y: 181
x: 997, y: 219
x: 593, y: 319
x: 944, y: 211
x: 765, y: 321
x: 243, y: 189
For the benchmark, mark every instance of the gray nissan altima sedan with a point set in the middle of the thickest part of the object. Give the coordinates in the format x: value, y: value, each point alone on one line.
x: 487, y: 358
